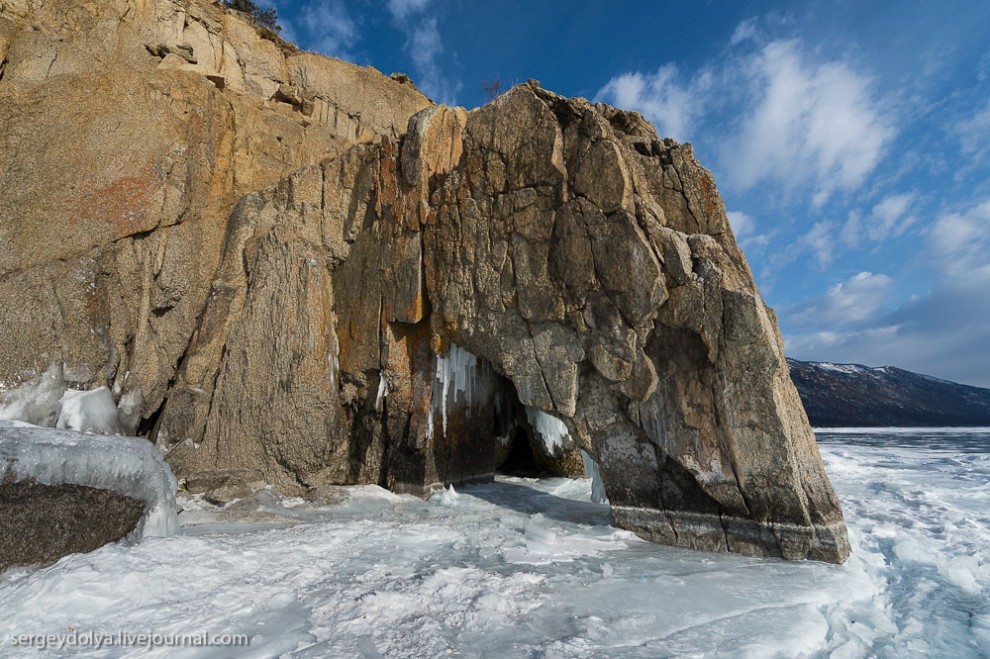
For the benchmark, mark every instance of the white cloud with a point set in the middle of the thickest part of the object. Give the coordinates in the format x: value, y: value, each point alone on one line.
x: 673, y: 105
x: 851, y: 302
x: 816, y: 123
x: 820, y: 241
x: 974, y: 133
x: 328, y: 27
x: 780, y: 115
x: 400, y: 9
x: 951, y: 349
x: 943, y: 331
x: 745, y: 31
x: 424, y: 46
x: 742, y: 224
x: 961, y: 241
x: 744, y: 227
x: 891, y: 217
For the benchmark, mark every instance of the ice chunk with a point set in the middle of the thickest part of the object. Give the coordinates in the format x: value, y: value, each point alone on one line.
x: 446, y: 497
x: 89, y: 411
x: 128, y: 466
x: 34, y: 401
x: 592, y: 471
x: 551, y: 430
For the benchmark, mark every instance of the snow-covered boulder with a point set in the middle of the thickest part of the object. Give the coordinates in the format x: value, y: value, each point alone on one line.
x: 43, y: 472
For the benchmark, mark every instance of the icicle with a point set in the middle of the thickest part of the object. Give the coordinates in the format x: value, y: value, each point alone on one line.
x: 592, y: 471
x: 459, y: 378
x: 382, y: 392
x: 333, y: 358
x: 551, y: 430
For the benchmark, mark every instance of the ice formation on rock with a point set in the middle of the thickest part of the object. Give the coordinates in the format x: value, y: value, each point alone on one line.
x: 129, y: 411
x: 89, y: 411
x: 551, y: 430
x: 460, y: 378
x: 128, y: 466
x: 333, y: 359
x: 382, y: 392
x: 34, y: 401
x: 597, y: 485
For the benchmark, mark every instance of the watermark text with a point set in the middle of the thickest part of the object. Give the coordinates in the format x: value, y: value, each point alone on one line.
x: 126, y: 639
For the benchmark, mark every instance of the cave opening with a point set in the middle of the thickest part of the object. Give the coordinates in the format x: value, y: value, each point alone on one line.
x: 520, y: 459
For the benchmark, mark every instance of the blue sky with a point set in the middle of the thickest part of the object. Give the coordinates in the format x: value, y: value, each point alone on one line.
x: 849, y: 139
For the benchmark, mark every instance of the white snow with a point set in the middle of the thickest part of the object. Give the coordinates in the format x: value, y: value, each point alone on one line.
x: 840, y: 368
x: 529, y: 567
x: 46, y: 401
x: 89, y: 411
x: 36, y: 400
x: 551, y: 430
x: 902, y: 431
x: 128, y: 466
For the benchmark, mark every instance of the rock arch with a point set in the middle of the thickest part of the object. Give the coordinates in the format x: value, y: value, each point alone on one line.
x: 541, y: 242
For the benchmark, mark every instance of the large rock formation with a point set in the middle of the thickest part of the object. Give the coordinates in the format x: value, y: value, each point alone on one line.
x: 306, y: 271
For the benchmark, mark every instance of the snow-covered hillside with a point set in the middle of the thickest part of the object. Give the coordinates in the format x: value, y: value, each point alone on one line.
x: 843, y: 395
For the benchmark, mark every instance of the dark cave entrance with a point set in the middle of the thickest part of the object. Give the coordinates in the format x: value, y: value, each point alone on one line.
x: 520, y: 459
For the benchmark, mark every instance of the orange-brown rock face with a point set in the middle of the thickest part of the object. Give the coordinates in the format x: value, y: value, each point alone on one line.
x: 304, y: 271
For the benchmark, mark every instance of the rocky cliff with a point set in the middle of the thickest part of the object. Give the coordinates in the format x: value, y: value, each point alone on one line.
x: 304, y: 270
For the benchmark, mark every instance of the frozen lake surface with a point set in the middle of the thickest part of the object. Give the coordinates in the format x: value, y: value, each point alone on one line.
x: 531, y: 568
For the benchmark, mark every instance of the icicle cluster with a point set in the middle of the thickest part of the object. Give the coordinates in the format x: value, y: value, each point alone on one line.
x: 459, y: 377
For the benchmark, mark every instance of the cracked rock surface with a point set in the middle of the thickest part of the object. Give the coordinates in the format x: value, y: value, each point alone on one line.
x: 313, y: 275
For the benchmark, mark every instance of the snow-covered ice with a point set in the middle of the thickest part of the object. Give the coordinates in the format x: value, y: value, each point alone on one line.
x: 34, y: 401
x: 125, y: 465
x: 89, y: 411
x: 47, y: 401
x: 527, y: 567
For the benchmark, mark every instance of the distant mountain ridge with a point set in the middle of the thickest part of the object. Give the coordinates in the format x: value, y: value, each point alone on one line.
x: 847, y: 395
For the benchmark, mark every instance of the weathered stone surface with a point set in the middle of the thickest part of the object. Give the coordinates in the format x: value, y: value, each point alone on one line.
x: 114, y: 216
x: 42, y: 523
x: 331, y: 281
